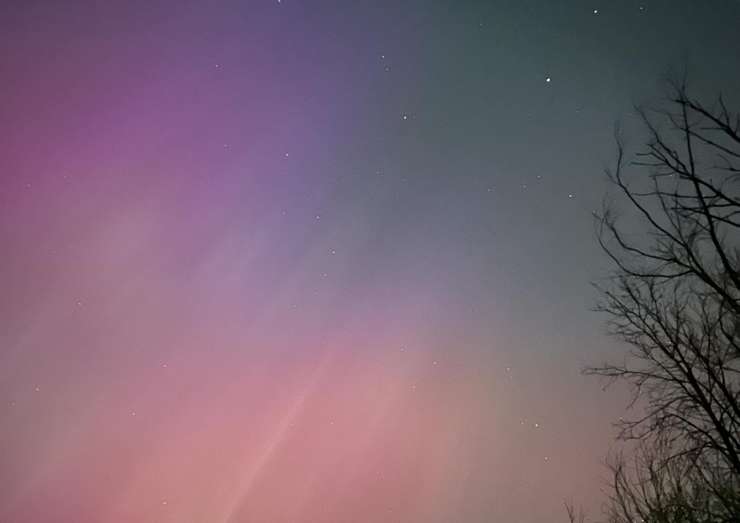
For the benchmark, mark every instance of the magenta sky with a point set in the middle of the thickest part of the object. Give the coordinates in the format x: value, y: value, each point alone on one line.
x: 306, y: 261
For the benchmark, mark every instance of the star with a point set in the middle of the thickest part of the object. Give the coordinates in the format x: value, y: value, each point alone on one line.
x: 596, y: 11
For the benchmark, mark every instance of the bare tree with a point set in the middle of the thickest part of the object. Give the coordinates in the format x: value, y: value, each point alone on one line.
x: 574, y: 515
x: 674, y: 298
x: 657, y: 484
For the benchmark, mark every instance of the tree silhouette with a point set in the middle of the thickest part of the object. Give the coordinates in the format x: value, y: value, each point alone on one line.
x: 674, y: 298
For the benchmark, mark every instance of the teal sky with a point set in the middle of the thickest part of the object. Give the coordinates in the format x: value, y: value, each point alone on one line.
x: 316, y: 261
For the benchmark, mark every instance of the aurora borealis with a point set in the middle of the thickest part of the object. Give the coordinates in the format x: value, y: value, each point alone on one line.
x: 314, y: 261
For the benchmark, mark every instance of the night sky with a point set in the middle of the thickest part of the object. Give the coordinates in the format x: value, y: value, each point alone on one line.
x: 312, y: 260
